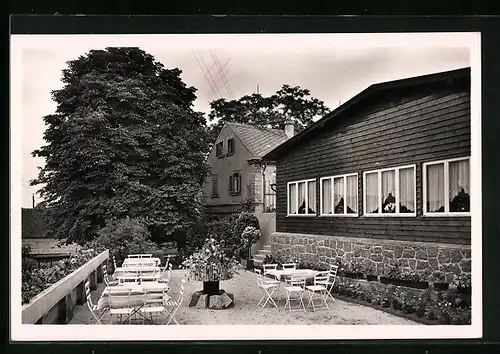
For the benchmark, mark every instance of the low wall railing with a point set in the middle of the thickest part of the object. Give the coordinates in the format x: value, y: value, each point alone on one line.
x: 57, y: 303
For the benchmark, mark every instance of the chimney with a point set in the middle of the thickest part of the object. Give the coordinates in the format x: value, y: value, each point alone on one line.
x: 289, y: 128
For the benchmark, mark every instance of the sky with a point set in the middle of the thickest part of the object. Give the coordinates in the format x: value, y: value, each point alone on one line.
x: 333, y: 68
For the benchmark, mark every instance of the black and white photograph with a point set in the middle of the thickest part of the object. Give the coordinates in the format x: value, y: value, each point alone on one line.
x: 246, y: 186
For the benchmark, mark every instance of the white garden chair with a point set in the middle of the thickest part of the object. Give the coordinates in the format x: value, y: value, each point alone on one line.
x: 267, y: 288
x: 105, y: 275
x: 294, y: 291
x: 122, y: 302
x: 318, y: 287
x: 92, y: 308
x: 330, y: 282
x: 172, y: 306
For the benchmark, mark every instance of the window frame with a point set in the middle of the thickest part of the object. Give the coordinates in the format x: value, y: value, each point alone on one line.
x: 446, y: 176
x: 229, y: 153
x: 221, y: 155
x: 306, y: 181
x: 331, y: 178
x: 232, y: 190
x: 396, y: 170
x: 215, y: 193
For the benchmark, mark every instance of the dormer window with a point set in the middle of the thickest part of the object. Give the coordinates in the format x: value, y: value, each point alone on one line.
x: 218, y: 149
x: 230, y: 147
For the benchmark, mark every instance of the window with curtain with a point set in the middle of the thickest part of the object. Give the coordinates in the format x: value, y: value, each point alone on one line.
x: 447, y: 187
x: 302, y: 197
x: 391, y: 191
x: 326, y: 196
x: 339, y: 195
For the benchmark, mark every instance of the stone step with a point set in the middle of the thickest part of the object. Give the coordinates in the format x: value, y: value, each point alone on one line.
x: 264, y: 251
x: 267, y: 248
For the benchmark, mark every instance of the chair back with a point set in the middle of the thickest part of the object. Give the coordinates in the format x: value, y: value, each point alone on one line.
x: 87, y: 294
x: 181, y: 292
x: 148, y: 278
x: 321, y: 278
x: 289, y: 266
x: 114, y: 263
x: 268, y: 267
x: 298, y: 281
x: 258, y: 273
x: 333, y: 273
x: 148, y: 255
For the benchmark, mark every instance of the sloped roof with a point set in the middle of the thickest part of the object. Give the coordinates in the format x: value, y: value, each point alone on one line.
x: 364, y: 97
x: 259, y: 141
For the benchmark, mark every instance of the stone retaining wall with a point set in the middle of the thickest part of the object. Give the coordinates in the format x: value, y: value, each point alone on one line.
x: 426, y: 259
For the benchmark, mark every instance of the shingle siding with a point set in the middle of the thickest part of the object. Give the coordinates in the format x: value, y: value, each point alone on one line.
x: 411, y: 129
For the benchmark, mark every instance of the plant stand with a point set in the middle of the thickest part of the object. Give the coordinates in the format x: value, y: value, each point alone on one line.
x: 211, y: 288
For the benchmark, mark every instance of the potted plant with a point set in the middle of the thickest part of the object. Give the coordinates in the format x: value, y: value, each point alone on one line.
x: 249, y: 235
x: 440, y: 284
x: 210, y: 265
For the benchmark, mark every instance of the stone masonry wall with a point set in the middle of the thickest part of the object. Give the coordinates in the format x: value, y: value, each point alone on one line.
x: 426, y: 259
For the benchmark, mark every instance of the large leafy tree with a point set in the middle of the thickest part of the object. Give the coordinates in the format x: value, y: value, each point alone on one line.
x: 123, y: 142
x: 288, y: 103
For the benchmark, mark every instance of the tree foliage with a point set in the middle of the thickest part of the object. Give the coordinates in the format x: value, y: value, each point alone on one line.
x: 288, y: 103
x: 124, y: 141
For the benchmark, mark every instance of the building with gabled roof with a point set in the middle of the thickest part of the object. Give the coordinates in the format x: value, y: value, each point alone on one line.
x: 237, y: 171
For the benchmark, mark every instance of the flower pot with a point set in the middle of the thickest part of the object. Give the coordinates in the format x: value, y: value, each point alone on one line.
x: 385, y: 280
x: 211, y: 287
x: 441, y: 286
x: 371, y: 277
x: 353, y: 275
x: 406, y: 283
x: 249, y: 265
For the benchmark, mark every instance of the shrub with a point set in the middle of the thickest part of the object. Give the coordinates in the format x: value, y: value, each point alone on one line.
x: 126, y: 236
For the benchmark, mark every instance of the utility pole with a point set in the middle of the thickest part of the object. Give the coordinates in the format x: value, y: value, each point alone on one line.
x: 257, y: 89
x: 33, y: 200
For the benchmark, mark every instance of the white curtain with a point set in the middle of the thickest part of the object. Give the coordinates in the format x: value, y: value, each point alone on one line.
x: 435, y: 188
x: 327, y: 196
x: 371, y: 192
x: 352, y: 194
x: 338, y: 193
x: 302, y: 198
x: 459, y: 185
x: 407, y: 190
x: 292, y: 199
x: 459, y: 175
x: 388, y: 188
x: 311, y: 197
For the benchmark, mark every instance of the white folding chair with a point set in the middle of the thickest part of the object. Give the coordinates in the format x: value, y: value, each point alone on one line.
x: 105, y: 275
x: 120, y: 303
x: 276, y: 280
x: 267, y: 288
x: 328, y: 283
x: 173, y: 306
x: 154, y: 306
x: 92, y: 308
x: 295, y: 287
x: 318, y: 287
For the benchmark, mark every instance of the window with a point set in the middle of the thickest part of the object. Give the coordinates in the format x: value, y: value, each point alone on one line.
x: 235, y: 183
x: 447, y: 187
x: 390, y: 192
x: 215, y: 186
x: 339, y: 195
x: 302, y: 197
x: 218, y: 149
x: 230, y: 147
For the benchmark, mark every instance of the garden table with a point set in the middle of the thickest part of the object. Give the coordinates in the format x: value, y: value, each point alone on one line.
x: 135, y: 270
x: 288, y: 273
x: 141, y: 262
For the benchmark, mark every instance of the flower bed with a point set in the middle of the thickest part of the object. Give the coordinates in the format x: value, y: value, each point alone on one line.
x: 35, y: 280
x: 425, y: 305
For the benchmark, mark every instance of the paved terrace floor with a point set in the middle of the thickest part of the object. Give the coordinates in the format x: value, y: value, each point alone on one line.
x: 246, y: 312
